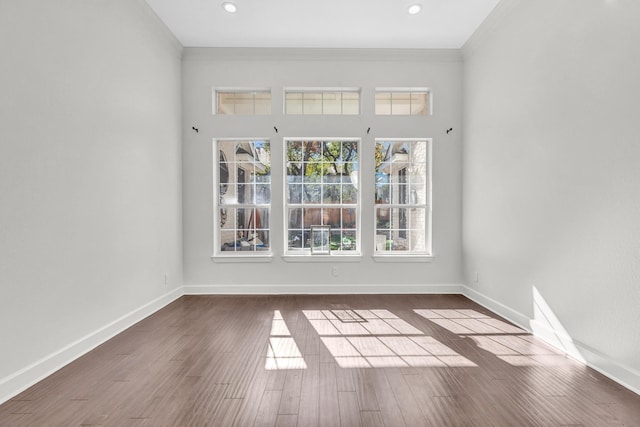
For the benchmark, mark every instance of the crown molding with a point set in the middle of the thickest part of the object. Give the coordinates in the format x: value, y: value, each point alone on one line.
x: 318, y: 54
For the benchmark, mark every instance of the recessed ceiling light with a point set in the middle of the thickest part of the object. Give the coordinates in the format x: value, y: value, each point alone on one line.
x: 414, y: 9
x: 230, y: 7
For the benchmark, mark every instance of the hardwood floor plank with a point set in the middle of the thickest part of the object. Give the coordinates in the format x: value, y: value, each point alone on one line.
x: 365, y: 391
x: 268, y: 409
x: 287, y: 421
x: 389, y: 410
x: 349, y: 410
x: 309, y: 410
x: 291, y: 393
x: 371, y: 419
x: 329, y: 408
x: 404, y: 397
x: 225, y: 414
x: 204, y: 361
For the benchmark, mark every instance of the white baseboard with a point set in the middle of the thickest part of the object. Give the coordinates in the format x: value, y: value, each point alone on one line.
x: 607, y: 366
x: 331, y: 289
x: 16, y: 383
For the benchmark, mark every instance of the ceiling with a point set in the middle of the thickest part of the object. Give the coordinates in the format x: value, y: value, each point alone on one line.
x: 441, y: 24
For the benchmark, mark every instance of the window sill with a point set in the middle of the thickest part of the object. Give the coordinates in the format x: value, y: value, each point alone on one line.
x: 403, y: 258
x: 322, y: 258
x: 241, y: 258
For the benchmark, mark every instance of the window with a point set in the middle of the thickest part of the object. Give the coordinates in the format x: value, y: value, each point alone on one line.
x: 242, y: 102
x: 322, y: 101
x: 243, y: 197
x: 403, y: 102
x: 322, y: 190
x: 402, y: 196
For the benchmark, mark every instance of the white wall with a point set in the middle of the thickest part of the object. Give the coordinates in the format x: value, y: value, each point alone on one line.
x: 551, y: 191
x: 90, y: 176
x: 204, y: 69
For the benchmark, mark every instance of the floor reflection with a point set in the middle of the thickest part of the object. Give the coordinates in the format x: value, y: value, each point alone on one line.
x: 507, y: 342
x: 282, y: 350
x: 379, y: 339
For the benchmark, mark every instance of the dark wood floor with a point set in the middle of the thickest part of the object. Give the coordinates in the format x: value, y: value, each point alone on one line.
x: 324, y: 361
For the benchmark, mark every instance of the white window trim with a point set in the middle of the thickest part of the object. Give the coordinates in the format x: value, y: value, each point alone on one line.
x: 428, y: 90
x: 216, y: 90
x: 223, y: 256
x: 303, y: 254
x: 294, y: 89
x: 427, y: 255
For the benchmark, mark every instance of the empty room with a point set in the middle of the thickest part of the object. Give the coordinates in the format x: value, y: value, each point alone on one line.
x: 319, y: 213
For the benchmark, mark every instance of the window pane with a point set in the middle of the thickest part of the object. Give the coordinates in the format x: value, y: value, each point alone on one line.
x: 293, y: 103
x: 382, y: 219
x: 312, y: 216
x: 295, y: 218
x: 331, y: 217
x: 400, y: 103
x: 383, y: 103
x: 331, y: 193
x: 401, y: 186
x: 245, y: 198
x: 350, y: 103
x: 225, y: 103
x: 332, y: 103
x: 311, y: 194
x: 295, y: 239
x: 228, y: 240
x: 311, y: 103
x: 294, y: 195
x: 263, y: 103
x: 325, y: 182
x: 243, y: 102
x: 417, y: 241
x: 419, y: 103
x: 349, y: 218
x: 263, y: 194
x: 349, y: 194
x: 399, y: 194
x: 349, y: 151
x: 343, y: 240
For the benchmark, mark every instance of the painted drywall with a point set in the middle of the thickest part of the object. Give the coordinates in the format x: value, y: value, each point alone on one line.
x: 90, y: 174
x: 551, y: 187
x: 205, y: 69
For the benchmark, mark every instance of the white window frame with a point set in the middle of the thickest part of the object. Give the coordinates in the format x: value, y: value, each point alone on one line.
x: 306, y: 253
x: 254, y: 91
x: 217, y: 206
x: 405, y: 90
x: 322, y: 91
x: 428, y: 252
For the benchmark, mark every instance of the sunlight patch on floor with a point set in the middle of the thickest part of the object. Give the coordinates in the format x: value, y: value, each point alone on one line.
x: 282, y: 350
x: 507, y: 342
x: 377, y: 338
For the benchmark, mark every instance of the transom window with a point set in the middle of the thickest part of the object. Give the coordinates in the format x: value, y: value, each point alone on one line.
x: 322, y: 190
x: 402, y: 195
x: 322, y: 101
x: 403, y: 102
x: 242, y: 102
x: 243, y: 196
